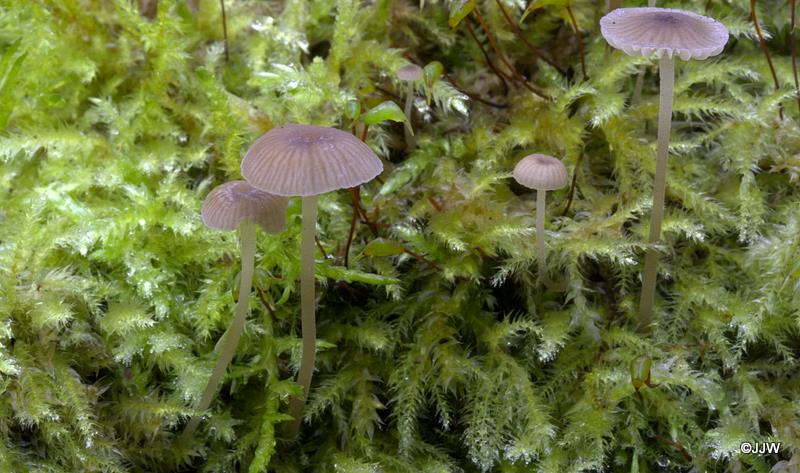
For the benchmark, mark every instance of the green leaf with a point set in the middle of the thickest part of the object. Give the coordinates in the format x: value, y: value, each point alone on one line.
x: 459, y: 10
x: 537, y: 4
x: 340, y: 273
x: 9, y: 68
x: 384, y: 111
x: 431, y: 74
x: 640, y: 371
x: 381, y: 247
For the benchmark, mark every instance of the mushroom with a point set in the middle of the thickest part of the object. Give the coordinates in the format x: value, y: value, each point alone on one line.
x: 542, y: 173
x: 666, y: 33
x: 305, y: 161
x: 409, y: 73
x: 230, y: 206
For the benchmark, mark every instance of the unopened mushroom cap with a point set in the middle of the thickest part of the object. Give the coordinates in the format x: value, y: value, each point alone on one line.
x: 308, y: 160
x: 409, y: 72
x: 649, y: 30
x: 227, y: 205
x: 541, y: 172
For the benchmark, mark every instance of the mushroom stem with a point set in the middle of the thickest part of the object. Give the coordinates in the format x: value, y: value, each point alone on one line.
x: 308, y: 305
x: 409, y: 132
x: 666, y: 73
x: 247, y: 237
x: 540, y: 249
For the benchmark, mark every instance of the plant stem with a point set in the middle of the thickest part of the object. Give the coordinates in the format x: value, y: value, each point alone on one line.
x: 764, y: 49
x: 224, y: 29
x: 527, y: 43
x: 579, y: 36
x: 307, y: 305
x: 408, y: 131
x: 247, y: 236
x: 666, y: 73
x: 540, y: 249
x: 793, y: 46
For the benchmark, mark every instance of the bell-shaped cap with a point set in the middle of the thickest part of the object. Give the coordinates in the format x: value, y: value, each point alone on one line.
x: 227, y: 205
x: 649, y: 30
x: 308, y: 160
x: 409, y: 72
x: 541, y: 172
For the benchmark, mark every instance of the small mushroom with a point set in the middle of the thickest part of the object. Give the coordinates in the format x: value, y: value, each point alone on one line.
x: 542, y: 173
x: 666, y: 33
x: 307, y: 160
x: 230, y: 206
x: 409, y: 73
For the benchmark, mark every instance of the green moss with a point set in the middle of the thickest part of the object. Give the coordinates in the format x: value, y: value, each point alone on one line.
x: 113, y: 294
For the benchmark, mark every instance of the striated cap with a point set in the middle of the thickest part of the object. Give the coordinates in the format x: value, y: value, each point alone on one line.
x: 541, y: 172
x: 308, y: 160
x: 227, y: 205
x: 409, y: 72
x: 648, y: 30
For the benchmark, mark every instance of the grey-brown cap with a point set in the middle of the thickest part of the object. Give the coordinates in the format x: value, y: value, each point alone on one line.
x: 649, y: 30
x: 409, y: 72
x: 308, y: 160
x: 227, y: 205
x: 541, y: 172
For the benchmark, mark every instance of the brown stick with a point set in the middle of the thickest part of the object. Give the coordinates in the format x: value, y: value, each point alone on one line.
x: 474, y: 96
x: 580, y: 40
x: 486, y: 55
x: 527, y: 43
x: 423, y: 259
x: 224, y: 29
x: 793, y: 44
x: 514, y: 72
x: 352, y: 230
x: 572, y: 186
x: 765, y: 50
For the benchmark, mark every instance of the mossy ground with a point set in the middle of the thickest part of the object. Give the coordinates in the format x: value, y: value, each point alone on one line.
x: 114, y: 127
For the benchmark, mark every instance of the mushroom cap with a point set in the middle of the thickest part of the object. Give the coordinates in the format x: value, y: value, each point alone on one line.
x: 409, y: 72
x: 647, y: 30
x: 308, y: 160
x: 227, y: 205
x: 541, y: 172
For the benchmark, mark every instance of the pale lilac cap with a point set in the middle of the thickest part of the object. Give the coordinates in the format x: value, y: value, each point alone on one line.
x: 409, y: 72
x: 231, y: 203
x: 649, y: 30
x: 306, y: 160
x: 541, y: 172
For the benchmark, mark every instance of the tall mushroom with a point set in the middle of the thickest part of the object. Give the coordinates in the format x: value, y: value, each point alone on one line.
x: 307, y: 160
x: 410, y: 73
x: 665, y: 33
x: 542, y: 173
x: 230, y: 206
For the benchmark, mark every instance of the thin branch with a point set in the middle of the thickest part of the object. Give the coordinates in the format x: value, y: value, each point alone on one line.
x: 423, y: 259
x: 514, y: 72
x: 580, y: 40
x: 486, y: 55
x: 527, y: 43
x: 572, y: 186
x: 472, y: 95
x: 224, y: 29
x: 793, y: 43
x: 765, y: 50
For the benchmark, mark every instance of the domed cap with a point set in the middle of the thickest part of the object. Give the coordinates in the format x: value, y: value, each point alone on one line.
x: 229, y: 204
x: 409, y: 72
x: 308, y: 160
x: 644, y: 31
x: 541, y: 172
